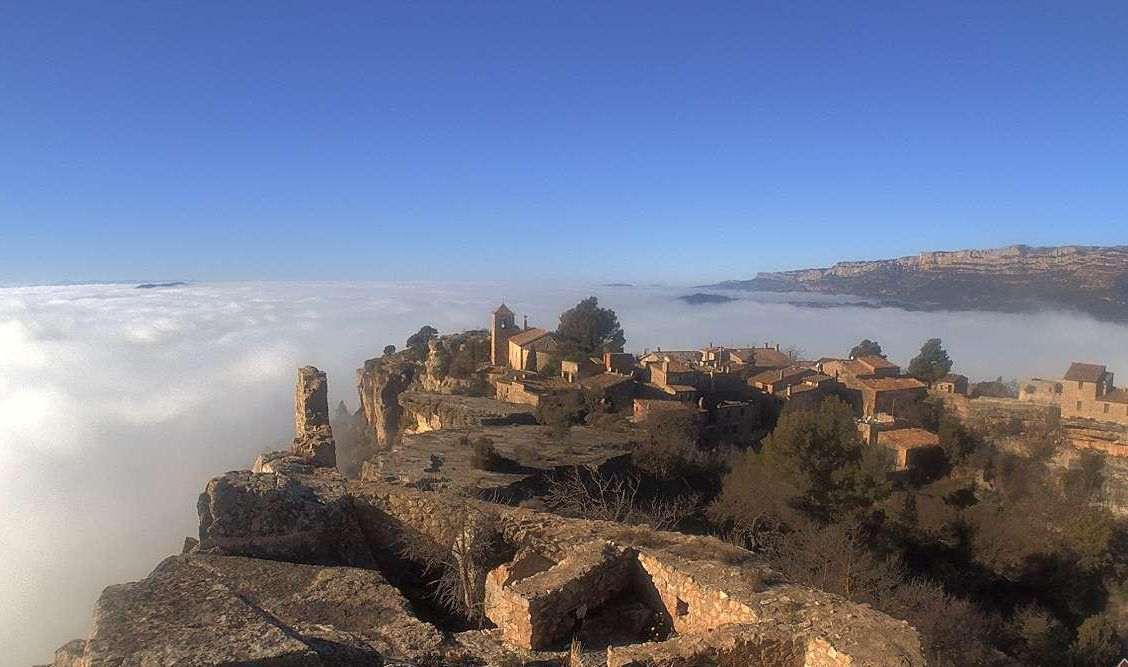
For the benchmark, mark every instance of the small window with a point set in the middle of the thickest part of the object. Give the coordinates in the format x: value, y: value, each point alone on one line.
x: 1079, y: 406
x: 1106, y: 408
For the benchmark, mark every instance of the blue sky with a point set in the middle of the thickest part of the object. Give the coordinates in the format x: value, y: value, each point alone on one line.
x: 608, y: 141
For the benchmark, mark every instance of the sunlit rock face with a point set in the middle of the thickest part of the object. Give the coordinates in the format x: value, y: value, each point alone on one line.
x: 313, y: 436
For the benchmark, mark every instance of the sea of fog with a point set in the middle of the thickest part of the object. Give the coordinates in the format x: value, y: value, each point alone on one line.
x: 117, y: 404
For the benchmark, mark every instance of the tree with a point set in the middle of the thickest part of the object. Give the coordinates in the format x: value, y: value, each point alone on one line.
x: 815, y: 463
x: 1098, y: 642
x: 589, y: 330
x: 389, y: 350
x: 932, y: 363
x: 866, y: 347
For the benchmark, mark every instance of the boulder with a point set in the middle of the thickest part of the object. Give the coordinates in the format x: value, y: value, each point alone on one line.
x: 298, y: 513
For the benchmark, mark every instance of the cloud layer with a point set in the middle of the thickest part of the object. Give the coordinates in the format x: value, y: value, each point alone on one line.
x: 117, y: 404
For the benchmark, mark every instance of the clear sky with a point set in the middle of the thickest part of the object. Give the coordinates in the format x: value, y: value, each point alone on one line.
x: 602, y: 141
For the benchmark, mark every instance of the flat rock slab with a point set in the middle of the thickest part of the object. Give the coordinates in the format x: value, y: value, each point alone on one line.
x: 204, y: 610
x: 440, y: 459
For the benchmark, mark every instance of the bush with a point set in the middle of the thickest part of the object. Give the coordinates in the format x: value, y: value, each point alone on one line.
x: 485, y: 456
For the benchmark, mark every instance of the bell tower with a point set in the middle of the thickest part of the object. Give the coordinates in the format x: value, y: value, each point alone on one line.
x: 502, y: 325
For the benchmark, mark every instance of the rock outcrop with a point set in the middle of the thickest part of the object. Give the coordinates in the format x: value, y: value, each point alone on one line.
x: 274, y: 581
x: 216, y: 610
x: 1090, y: 279
x: 313, y: 435
x: 425, y: 411
x: 379, y: 385
x: 290, y: 512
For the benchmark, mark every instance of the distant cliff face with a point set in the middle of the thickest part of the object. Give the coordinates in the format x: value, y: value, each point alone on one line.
x: 1089, y: 279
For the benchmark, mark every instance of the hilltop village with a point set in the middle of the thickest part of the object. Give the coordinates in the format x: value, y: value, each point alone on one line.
x: 523, y: 496
x: 731, y: 395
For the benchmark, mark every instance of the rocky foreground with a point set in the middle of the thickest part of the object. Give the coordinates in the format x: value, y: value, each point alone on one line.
x: 1089, y: 279
x: 295, y: 565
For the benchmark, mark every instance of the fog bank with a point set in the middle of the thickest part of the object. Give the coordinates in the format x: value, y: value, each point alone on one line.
x: 117, y: 404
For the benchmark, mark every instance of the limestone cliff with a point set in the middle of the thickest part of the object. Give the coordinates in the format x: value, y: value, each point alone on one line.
x: 451, y: 364
x: 1090, y: 279
x: 313, y: 435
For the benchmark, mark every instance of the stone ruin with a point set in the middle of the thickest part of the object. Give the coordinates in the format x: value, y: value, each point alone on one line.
x: 297, y: 565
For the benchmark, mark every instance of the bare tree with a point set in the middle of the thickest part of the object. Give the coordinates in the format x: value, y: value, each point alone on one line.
x: 585, y: 493
x: 461, y: 557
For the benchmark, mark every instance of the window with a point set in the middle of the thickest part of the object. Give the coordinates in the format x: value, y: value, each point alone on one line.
x: 1079, y: 406
x: 1106, y: 408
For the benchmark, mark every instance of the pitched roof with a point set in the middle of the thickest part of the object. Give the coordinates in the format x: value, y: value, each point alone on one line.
x: 528, y: 336
x: 875, y: 361
x: 773, y: 376
x: 503, y: 310
x: 604, y: 380
x: 892, y: 384
x: 908, y: 438
x: 953, y: 378
x: 1085, y: 372
x: 1116, y: 396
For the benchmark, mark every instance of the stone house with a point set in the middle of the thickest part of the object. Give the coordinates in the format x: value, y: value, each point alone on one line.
x: 865, y: 366
x: 575, y: 371
x: 911, y: 447
x: 1089, y: 393
x: 623, y: 363
x: 532, y: 349
x: 526, y: 388
x: 611, y: 390
x: 884, y: 394
x: 952, y: 383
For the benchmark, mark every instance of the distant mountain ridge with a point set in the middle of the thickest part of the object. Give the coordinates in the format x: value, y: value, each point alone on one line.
x: 1019, y: 278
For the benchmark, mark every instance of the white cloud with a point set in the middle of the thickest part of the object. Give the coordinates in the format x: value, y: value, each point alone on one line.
x: 117, y: 404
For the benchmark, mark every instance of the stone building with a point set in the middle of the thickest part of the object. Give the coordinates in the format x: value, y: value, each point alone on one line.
x: 532, y: 349
x: 952, y: 383
x: 874, y: 384
x: 1041, y: 390
x: 911, y: 447
x: 1088, y: 393
x: 502, y: 326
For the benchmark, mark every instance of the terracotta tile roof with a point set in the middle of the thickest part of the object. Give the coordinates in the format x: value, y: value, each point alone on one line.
x: 679, y: 355
x: 1085, y: 372
x: 528, y: 336
x: 908, y: 438
x: 875, y: 362
x: 891, y: 384
x: 773, y: 376
x: 677, y: 366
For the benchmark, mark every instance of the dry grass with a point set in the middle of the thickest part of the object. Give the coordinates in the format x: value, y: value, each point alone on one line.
x: 575, y: 654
